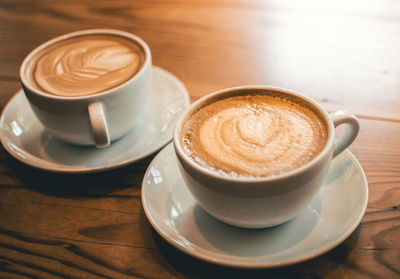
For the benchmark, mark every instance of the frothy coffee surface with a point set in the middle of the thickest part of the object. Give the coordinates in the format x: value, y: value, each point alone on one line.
x: 85, y: 65
x: 253, y: 135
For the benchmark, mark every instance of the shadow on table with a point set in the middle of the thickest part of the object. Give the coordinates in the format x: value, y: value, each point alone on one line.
x: 78, y: 185
x: 316, y: 268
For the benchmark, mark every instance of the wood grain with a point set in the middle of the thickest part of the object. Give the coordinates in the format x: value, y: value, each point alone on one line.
x: 342, y: 53
x: 103, y: 212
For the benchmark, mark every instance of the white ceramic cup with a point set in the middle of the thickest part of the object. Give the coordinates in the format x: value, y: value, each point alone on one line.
x: 94, y: 119
x: 269, y: 201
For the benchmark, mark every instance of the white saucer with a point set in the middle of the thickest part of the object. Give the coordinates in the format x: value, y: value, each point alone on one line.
x: 330, y: 218
x: 23, y: 136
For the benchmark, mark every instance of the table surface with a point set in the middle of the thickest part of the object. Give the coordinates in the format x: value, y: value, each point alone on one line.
x: 344, y: 54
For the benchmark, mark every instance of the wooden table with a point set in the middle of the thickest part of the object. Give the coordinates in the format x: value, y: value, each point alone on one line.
x: 345, y: 54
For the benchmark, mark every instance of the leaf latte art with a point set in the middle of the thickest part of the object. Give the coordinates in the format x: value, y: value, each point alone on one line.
x: 86, y: 65
x: 253, y: 135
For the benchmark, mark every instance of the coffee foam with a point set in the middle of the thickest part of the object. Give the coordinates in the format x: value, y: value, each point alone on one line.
x: 253, y: 135
x: 85, y: 65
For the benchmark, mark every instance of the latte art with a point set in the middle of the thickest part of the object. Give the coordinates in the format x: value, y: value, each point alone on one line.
x: 254, y: 136
x: 86, y: 65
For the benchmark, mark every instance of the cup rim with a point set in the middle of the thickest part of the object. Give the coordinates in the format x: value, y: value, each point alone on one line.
x: 253, y: 180
x: 105, y: 31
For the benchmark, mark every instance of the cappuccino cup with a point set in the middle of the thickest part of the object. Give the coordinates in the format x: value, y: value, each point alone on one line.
x: 255, y: 156
x: 88, y: 87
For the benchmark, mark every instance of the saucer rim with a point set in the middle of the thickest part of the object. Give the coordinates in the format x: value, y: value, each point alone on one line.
x: 45, y: 165
x: 215, y: 258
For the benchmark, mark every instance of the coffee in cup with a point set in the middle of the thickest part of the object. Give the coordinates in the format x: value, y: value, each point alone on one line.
x: 89, y: 87
x: 84, y: 65
x: 255, y: 156
x: 254, y: 135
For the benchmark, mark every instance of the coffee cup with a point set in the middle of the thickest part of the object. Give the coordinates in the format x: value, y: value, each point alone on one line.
x: 255, y: 156
x: 88, y: 87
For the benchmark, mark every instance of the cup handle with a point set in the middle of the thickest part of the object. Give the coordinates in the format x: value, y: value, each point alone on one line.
x: 353, y: 126
x: 98, y: 124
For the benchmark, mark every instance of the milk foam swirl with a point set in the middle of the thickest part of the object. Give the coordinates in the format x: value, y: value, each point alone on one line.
x: 86, y: 65
x: 253, y: 135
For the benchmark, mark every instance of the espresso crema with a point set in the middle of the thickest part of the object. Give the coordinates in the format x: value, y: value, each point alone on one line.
x: 253, y: 135
x: 85, y: 65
